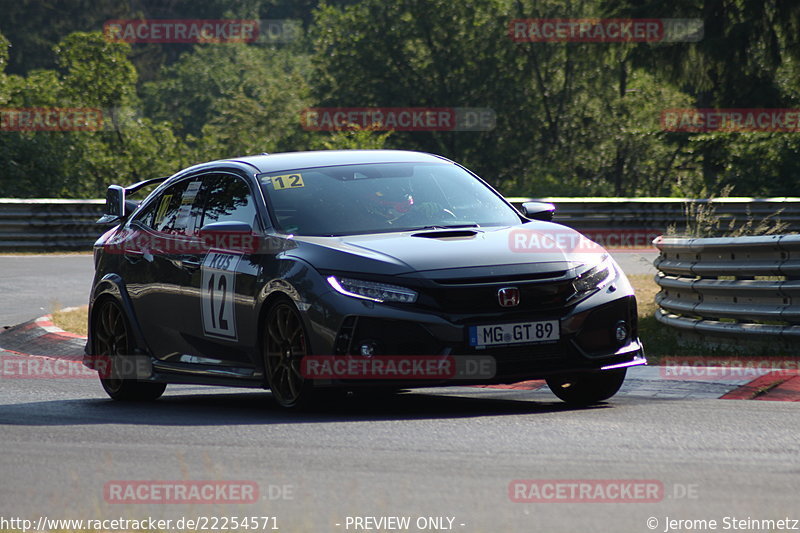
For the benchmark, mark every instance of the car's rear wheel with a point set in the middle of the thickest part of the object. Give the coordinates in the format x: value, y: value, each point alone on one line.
x: 284, y: 345
x: 589, y: 388
x: 111, y: 338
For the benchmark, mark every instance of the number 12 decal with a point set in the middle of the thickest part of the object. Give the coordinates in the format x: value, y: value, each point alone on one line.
x: 218, y: 288
x: 287, y: 181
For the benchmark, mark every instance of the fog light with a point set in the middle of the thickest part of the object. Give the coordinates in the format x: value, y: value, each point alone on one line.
x: 621, y: 331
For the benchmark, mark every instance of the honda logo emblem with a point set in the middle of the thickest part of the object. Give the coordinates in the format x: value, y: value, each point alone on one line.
x: 508, y: 297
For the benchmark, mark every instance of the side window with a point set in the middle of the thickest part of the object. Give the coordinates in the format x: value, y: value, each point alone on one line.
x: 172, y: 211
x: 228, y: 198
x: 145, y: 216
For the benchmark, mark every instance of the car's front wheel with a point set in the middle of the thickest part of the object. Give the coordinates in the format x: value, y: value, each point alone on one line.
x: 589, y: 388
x: 111, y: 342
x: 284, y: 345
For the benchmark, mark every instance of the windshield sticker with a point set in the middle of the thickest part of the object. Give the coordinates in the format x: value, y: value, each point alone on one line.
x: 187, y: 199
x: 162, y: 208
x: 287, y: 181
x: 190, y: 193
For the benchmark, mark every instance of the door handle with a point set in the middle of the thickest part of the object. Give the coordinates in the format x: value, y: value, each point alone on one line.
x: 189, y: 264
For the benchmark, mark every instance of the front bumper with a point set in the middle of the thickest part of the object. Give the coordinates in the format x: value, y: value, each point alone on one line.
x: 587, y: 342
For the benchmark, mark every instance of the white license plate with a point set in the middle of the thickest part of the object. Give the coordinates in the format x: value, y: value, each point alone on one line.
x: 518, y: 333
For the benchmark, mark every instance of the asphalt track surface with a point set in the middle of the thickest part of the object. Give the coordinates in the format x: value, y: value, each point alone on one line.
x: 430, y: 453
x: 35, y: 285
x: 436, y: 452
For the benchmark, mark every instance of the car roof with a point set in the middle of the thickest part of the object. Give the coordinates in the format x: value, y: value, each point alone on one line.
x: 296, y: 160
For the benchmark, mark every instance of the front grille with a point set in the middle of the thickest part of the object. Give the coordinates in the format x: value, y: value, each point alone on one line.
x: 482, y: 299
x: 391, y: 337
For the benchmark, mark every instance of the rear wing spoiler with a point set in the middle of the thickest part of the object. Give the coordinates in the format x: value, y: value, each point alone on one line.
x: 118, y: 207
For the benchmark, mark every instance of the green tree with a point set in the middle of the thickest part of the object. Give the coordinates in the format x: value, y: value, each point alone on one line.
x: 355, y: 138
x: 94, y: 74
x: 96, y: 71
x: 233, y: 99
x: 745, y: 58
x: 427, y: 54
x: 4, y: 89
x: 569, y: 117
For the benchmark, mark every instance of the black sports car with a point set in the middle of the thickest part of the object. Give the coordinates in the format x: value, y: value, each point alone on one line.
x: 341, y: 269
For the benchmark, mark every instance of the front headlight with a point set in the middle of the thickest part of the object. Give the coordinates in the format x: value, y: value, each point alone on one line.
x: 594, y: 279
x: 372, y: 290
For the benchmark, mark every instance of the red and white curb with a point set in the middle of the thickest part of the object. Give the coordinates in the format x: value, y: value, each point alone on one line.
x: 41, y: 338
x: 776, y: 386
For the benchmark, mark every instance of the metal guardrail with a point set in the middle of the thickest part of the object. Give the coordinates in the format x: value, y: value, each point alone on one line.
x: 731, y: 288
x: 69, y: 224
x: 49, y: 224
x: 660, y: 213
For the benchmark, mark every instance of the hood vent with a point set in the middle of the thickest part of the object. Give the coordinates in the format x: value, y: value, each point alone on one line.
x: 447, y: 234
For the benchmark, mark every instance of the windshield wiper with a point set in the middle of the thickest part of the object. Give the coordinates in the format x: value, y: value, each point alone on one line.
x: 393, y: 230
x: 445, y: 226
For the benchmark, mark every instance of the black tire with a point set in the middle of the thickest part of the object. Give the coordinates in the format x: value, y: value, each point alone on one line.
x: 284, y: 344
x: 589, y: 388
x: 110, y: 337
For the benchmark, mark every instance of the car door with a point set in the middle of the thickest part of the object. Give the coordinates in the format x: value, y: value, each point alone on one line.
x: 221, y: 293
x: 158, y: 265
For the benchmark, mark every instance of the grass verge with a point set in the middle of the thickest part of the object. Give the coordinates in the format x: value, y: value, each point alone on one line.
x: 72, y: 319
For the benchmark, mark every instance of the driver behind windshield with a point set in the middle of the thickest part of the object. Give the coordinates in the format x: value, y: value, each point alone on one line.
x: 393, y: 200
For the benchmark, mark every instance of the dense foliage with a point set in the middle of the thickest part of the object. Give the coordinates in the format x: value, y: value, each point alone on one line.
x: 572, y: 118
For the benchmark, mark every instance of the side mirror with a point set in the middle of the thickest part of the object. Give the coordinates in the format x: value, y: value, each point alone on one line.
x: 229, y: 226
x: 115, y: 205
x: 229, y: 235
x: 538, y: 210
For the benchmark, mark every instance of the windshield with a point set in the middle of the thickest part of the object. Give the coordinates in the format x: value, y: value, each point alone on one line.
x: 375, y: 198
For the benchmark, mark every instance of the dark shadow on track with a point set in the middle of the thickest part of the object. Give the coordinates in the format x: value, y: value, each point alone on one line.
x: 254, y: 408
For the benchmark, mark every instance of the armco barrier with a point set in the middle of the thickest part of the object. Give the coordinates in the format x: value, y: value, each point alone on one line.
x: 731, y: 288
x: 48, y: 224
x: 43, y: 224
x: 660, y: 213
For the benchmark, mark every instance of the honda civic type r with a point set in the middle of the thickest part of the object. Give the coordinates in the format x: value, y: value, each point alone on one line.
x: 306, y: 271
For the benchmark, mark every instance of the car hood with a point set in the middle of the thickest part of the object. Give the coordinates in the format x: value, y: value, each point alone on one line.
x: 534, y: 247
